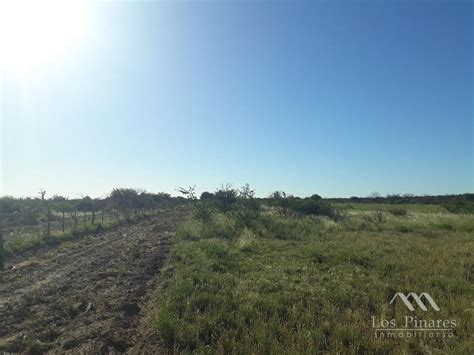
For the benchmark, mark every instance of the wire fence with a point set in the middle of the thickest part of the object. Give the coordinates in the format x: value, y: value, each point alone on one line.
x: 57, y: 224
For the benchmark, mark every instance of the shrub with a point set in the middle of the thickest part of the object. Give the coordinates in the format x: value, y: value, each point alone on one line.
x: 402, y: 212
x: 207, y: 195
x: 225, y: 198
x: 123, y: 199
x: 460, y: 206
x: 247, y: 208
x: 203, y: 212
x: 280, y: 199
x: 29, y: 217
x: 246, y: 211
x: 376, y: 218
x: 314, y: 206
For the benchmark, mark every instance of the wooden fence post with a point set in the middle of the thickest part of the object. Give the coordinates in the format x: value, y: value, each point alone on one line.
x: 48, y: 217
x: 85, y: 220
x: 75, y: 220
x: 102, y: 218
x: 63, y: 222
x: 93, y: 217
x: 2, y: 254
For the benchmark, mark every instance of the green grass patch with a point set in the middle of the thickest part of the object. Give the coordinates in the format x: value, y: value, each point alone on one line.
x: 392, y: 206
x: 24, y: 241
x: 310, y: 284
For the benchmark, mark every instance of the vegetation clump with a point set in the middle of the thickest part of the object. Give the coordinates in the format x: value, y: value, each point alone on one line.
x: 462, y: 206
x: 401, y: 212
x: 291, y: 283
x: 313, y: 205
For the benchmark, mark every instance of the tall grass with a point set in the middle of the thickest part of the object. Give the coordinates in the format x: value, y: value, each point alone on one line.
x: 310, y: 284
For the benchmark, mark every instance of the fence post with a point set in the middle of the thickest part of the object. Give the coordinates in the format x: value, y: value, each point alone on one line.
x: 93, y: 217
x: 2, y: 254
x: 49, y: 222
x: 102, y: 218
x: 63, y: 222
x: 75, y: 220
x: 85, y: 220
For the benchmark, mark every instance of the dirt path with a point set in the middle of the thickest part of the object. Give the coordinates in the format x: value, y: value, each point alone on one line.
x: 85, y: 296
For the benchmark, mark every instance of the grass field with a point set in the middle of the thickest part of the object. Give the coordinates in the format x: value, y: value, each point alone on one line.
x: 304, y: 284
x: 389, y: 206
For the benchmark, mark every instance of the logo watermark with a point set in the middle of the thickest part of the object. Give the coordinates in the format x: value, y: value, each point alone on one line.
x: 413, y: 327
x: 417, y: 299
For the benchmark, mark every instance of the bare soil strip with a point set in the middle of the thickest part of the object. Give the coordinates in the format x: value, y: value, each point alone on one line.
x: 86, y: 296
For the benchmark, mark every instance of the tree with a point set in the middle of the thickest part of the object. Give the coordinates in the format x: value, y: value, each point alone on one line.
x: 145, y: 201
x: 375, y: 195
x: 86, y: 204
x: 61, y: 204
x: 161, y: 199
x: 315, y: 197
x: 247, y: 207
x: 246, y: 192
x: 280, y: 199
x: 189, y: 193
x: 225, y: 198
x: 124, y: 200
x: 207, y: 195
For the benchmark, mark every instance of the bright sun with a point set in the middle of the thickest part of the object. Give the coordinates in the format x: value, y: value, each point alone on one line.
x: 35, y: 33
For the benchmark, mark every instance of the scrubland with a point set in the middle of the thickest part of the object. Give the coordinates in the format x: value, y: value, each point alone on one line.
x: 229, y: 273
x: 275, y: 281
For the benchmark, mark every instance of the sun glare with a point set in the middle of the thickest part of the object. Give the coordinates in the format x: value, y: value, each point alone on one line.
x: 35, y: 33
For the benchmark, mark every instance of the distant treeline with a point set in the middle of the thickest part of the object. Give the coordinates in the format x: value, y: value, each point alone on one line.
x: 408, y: 199
x: 30, y: 211
x: 463, y: 203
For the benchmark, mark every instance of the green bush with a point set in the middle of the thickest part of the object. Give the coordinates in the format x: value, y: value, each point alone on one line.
x: 313, y: 206
x: 376, y: 218
x: 402, y: 212
x: 246, y: 212
x: 460, y: 206
x: 225, y: 198
x: 203, y: 211
x: 207, y: 195
x: 280, y: 199
x: 247, y: 208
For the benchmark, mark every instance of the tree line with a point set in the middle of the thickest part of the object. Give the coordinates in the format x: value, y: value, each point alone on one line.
x: 32, y: 211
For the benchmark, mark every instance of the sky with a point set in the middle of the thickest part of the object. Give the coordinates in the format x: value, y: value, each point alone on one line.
x: 338, y: 98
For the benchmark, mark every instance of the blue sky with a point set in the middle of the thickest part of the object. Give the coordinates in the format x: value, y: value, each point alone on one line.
x: 337, y: 98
